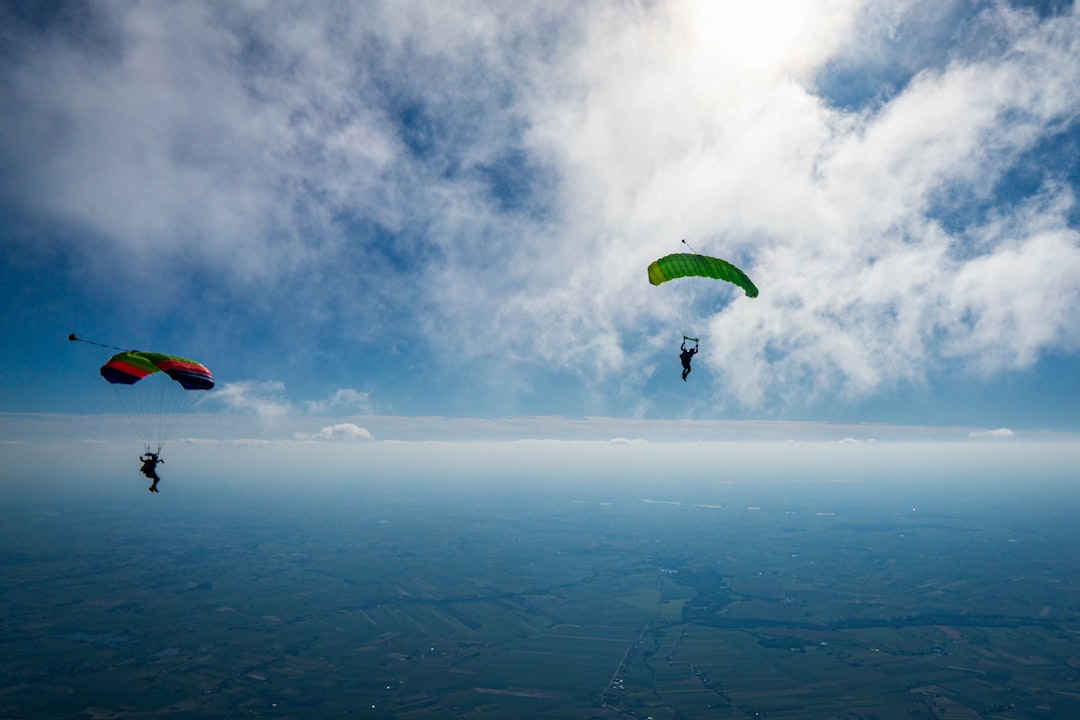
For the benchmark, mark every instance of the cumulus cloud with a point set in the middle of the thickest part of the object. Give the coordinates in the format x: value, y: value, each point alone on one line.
x: 998, y: 433
x: 341, y: 432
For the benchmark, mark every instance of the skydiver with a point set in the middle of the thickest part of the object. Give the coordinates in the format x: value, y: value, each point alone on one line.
x: 149, y: 468
x: 685, y: 356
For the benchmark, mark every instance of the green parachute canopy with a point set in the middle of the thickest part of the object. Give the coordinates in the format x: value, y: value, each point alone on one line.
x: 679, y: 265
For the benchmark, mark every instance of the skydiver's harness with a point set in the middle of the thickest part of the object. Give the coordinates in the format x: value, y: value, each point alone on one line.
x: 687, y: 354
x: 149, y: 464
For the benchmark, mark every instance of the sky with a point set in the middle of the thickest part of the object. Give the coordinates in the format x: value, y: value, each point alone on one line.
x: 442, y: 212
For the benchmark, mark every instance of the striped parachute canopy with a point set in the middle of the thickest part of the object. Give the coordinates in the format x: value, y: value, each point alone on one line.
x: 154, y: 390
x: 128, y: 368
x: 679, y: 265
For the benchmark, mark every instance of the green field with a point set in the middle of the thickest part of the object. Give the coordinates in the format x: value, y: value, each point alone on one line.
x: 800, y: 602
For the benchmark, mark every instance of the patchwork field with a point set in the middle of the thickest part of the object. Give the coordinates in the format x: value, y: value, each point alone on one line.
x: 541, y: 607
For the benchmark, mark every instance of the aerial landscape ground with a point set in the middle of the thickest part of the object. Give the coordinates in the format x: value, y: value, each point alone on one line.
x: 721, y: 600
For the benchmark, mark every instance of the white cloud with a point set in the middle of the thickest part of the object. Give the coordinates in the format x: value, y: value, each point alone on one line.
x: 999, y: 433
x: 339, y: 432
x: 1012, y: 303
x: 265, y: 399
x: 269, y: 399
x: 342, y: 401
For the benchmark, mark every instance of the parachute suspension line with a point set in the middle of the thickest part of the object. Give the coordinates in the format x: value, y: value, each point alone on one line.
x: 133, y: 413
x: 152, y: 407
x: 685, y: 295
x: 685, y: 301
x: 73, y: 338
x: 164, y: 411
x: 172, y: 404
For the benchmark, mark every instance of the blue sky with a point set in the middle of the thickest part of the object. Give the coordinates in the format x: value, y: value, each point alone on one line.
x: 365, y: 211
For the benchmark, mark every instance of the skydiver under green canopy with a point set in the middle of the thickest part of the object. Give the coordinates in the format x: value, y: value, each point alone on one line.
x: 685, y: 356
x: 149, y: 468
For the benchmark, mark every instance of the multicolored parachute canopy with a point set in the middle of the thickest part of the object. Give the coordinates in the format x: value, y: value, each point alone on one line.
x: 128, y: 368
x: 681, y: 265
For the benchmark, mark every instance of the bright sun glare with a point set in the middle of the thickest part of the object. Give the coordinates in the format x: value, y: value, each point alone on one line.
x: 764, y: 38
